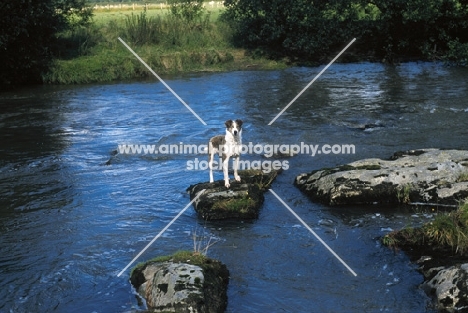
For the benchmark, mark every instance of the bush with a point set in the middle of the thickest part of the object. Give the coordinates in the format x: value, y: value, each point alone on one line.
x: 457, y: 54
x: 188, y: 10
x: 388, y: 30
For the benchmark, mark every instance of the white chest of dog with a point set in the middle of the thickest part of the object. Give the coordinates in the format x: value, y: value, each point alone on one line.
x: 227, y: 146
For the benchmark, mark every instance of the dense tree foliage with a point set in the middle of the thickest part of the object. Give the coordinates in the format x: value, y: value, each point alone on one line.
x: 386, y: 29
x: 28, y: 30
x: 299, y: 29
x: 188, y: 10
x: 422, y: 28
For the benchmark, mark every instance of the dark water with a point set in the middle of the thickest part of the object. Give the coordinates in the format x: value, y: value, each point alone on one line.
x: 69, y: 222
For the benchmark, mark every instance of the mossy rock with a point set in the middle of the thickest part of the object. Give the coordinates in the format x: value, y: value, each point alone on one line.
x: 242, y: 200
x: 183, y: 282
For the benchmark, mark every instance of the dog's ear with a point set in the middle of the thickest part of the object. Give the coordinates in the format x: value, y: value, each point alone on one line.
x: 239, y: 122
x: 228, y: 123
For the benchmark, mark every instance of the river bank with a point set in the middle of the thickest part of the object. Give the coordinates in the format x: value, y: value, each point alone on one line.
x: 169, y: 45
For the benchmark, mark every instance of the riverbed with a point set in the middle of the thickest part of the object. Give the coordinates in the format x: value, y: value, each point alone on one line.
x: 74, y: 211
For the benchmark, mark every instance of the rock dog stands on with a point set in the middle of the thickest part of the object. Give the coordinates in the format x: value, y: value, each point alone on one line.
x: 242, y: 200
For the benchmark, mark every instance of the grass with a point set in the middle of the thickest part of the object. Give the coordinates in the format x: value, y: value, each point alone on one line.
x: 242, y: 205
x: 463, y: 177
x: 403, y: 193
x: 257, y: 177
x: 178, y: 257
x: 446, y: 231
x: 201, y: 243
x: 168, y: 45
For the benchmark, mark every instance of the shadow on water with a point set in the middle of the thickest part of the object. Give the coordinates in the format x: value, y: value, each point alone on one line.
x: 69, y: 222
x: 33, y: 174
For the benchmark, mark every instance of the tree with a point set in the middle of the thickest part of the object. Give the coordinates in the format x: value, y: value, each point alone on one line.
x: 391, y: 30
x: 28, y: 31
x: 300, y: 29
x: 419, y: 28
x: 188, y: 10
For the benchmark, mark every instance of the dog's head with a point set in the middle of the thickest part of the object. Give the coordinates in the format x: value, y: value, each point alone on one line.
x: 234, y: 127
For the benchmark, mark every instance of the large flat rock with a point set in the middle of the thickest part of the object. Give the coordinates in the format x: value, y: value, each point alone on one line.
x: 416, y: 176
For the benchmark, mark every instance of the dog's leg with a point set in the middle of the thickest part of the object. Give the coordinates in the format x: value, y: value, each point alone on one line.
x: 225, y: 171
x: 210, y: 160
x: 210, y: 163
x: 236, y: 166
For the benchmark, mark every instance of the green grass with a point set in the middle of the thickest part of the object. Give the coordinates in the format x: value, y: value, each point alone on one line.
x: 463, y: 177
x: 103, y: 17
x: 259, y: 178
x: 403, y: 193
x: 167, y: 44
x: 178, y: 257
x: 446, y: 231
x: 242, y: 205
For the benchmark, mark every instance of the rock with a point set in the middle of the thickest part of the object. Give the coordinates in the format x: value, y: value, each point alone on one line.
x: 438, y: 248
x: 449, y: 286
x: 417, y: 176
x: 241, y: 201
x: 183, y: 287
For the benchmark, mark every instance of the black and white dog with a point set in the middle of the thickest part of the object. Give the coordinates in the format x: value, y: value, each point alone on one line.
x: 228, y: 146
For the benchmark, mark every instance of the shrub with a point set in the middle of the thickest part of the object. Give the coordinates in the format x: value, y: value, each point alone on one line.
x: 187, y: 10
x: 142, y: 29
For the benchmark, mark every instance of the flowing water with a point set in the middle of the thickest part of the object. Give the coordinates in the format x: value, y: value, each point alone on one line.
x: 73, y: 213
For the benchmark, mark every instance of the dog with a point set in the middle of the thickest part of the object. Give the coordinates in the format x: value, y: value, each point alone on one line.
x: 228, y: 146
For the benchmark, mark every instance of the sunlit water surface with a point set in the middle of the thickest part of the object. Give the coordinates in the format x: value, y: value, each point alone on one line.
x: 69, y: 222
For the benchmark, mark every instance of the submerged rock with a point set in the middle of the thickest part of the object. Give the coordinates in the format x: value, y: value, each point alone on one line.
x: 242, y: 200
x: 197, y: 285
x: 417, y: 176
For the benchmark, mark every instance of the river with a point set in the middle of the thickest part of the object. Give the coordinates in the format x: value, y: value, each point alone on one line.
x: 73, y: 213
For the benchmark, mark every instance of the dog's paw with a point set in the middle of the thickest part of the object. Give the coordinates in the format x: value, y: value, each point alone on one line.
x: 237, y: 177
x: 226, y: 183
x: 211, y: 181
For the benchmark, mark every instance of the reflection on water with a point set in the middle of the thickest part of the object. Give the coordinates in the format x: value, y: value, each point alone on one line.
x: 69, y: 222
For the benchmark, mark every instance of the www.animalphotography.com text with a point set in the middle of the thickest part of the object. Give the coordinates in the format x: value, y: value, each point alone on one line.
x: 264, y: 150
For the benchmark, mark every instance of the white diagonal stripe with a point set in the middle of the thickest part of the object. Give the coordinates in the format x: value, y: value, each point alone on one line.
x: 162, y: 81
x: 313, y: 233
x: 161, y: 232
x: 313, y: 80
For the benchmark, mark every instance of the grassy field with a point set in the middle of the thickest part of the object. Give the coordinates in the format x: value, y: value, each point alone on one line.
x: 103, y: 16
x: 168, y: 45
